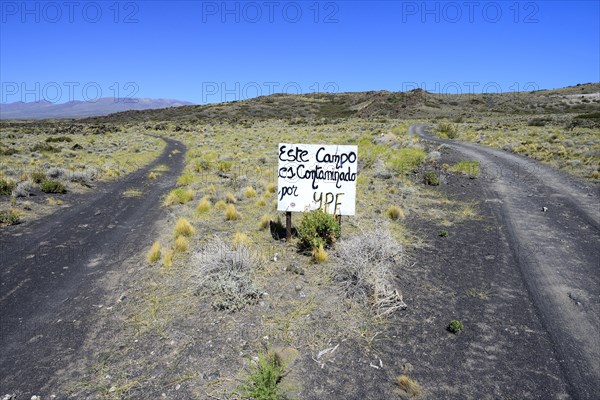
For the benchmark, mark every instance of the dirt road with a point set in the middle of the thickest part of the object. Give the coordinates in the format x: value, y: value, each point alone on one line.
x: 51, y: 268
x: 554, y: 231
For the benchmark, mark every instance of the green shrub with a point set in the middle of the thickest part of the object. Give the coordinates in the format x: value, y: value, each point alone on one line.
x: 431, y: 179
x: 37, y: 177
x: 261, y: 382
x: 9, y: 218
x: 447, y: 130
x: 407, y: 159
x: 318, y: 228
x: 443, y: 233
x: 455, y: 326
x: 6, y: 187
x: 52, y: 186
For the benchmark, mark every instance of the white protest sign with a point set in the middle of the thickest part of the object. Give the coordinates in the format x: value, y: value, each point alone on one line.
x: 312, y: 176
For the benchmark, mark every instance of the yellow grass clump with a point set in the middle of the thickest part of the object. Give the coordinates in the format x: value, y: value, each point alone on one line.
x: 264, y: 221
x: 182, y: 244
x: 167, y: 260
x: 410, y: 386
x: 250, y: 192
x: 240, y: 239
x: 203, y: 206
x: 231, y: 213
x: 319, y: 254
x: 184, y: 228
x: 154, y: 253
x: 394, y: 212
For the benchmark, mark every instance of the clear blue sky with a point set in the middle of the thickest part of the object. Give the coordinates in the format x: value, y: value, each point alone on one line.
x: 205, y: 52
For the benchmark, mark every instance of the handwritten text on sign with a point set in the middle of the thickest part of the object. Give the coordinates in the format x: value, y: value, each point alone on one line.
x: 315, y: 176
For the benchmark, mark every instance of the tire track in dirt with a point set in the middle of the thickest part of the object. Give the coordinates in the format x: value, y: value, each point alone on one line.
x: 557, y: 250
x: 51, y: 269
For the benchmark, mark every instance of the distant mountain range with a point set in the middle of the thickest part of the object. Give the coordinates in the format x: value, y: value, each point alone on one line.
x: 79, y: 109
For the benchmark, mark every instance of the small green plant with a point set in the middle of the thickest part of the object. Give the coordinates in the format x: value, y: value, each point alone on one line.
x: 6, y: 187
x: 455, y: 326
x: 318, y: 228
x: 430, y: 178
x: 9, y: 217
x: 263, y: 379
x: 53, y: 186
x: 443, y: 233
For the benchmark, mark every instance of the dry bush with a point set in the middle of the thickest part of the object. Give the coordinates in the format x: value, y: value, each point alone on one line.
x: 365, y: 270
x: 225, y: 271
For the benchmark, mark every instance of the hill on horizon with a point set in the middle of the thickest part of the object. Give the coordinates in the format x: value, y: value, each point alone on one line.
x: 79, y: 109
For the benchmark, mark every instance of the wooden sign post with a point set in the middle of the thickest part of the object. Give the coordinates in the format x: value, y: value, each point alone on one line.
x: 312, y: 176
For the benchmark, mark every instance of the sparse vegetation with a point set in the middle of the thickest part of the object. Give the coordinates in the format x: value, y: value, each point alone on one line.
x: 179, y: 196
x: 6, y: 187
x: 262, y: 381
x: 53, y: 186
x: 132, y: 192
x: 10, y: 217
x: 430, y: 178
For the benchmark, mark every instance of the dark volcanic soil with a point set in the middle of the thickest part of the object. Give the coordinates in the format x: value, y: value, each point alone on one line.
x: 51, y: 267
x: 536, y: 336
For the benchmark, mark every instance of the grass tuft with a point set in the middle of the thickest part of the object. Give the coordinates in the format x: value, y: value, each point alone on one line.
x: 203, y: 206
x: 154, y: 253
x: 231, y: 213
x: 167, y: 260
x: 408, y: 385
x: 319, y: 254
x: 394, y: 213
x: 182, y: 244
x: 250, y: 192
x: 264, y: 222
x: 184, y: 228
x: 179, y: 196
